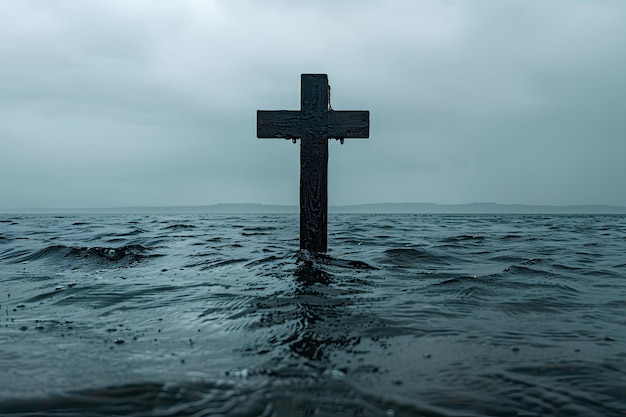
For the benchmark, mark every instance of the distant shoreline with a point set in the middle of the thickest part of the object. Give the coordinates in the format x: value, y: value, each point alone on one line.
x: 374, y: 208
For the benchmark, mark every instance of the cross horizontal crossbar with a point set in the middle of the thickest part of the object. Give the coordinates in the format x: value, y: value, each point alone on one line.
x: 287, y: 124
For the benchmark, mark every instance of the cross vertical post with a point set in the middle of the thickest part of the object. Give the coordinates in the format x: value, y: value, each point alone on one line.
x: 315, y: 100
x: 314, y: 124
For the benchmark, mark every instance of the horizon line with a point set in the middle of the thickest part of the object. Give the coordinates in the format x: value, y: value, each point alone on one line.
x: 553, y: 208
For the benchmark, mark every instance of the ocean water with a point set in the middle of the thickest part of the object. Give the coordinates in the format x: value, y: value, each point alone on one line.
x: 407, y: 315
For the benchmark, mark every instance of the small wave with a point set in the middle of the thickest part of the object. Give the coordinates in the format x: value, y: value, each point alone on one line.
x: 13, y: 255
x: 180, y: 227
x: 408, y: 257
x: 254, y: 234
x: 525, y: 270
x: 24, y: 255
x: 353, y: 264
x: 256, y: 262
x: 138, y: 399
x: 463, y: 238
x: 132, y: 232
x: 42, y: 253
x: 314, y: 258
x: 541, y: 305
x: 510, y: 237
x: 285, y: 390
x: 208, y: 264
x: 131, y: 253
x: 457, y: 279
x: 259, y: 229
x: 110, y: 253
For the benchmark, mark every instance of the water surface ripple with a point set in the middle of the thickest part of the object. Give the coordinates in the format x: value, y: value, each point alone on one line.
x: 407, y: 315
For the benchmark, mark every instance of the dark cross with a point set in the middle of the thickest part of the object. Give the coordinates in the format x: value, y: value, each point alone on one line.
x: 314, y: 124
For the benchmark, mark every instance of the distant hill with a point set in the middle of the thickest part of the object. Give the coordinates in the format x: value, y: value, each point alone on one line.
x: 477, y: 208
x: 470, y: 208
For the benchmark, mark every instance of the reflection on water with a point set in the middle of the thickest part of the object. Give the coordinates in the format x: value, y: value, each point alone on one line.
x: 428, y: 315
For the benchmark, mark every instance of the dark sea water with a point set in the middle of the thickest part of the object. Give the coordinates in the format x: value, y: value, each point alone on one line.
x: 408, y: 315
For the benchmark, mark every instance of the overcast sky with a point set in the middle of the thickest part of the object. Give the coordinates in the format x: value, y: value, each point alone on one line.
x: 125, y: 102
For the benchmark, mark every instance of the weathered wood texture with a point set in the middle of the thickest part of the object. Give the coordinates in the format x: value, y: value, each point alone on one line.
x: 278, y: 124
x: 315, y: 100
x: 314, y: 124
x: 348, y: 124
x: 286, y: 124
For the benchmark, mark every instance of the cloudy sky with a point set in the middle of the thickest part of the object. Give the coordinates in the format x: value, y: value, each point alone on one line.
x: 107, y: 103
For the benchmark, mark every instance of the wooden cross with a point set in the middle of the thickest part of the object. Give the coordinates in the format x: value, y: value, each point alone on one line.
x: 314, y: 124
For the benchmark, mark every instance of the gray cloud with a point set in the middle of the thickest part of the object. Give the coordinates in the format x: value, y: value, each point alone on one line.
x: 108, y: 103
